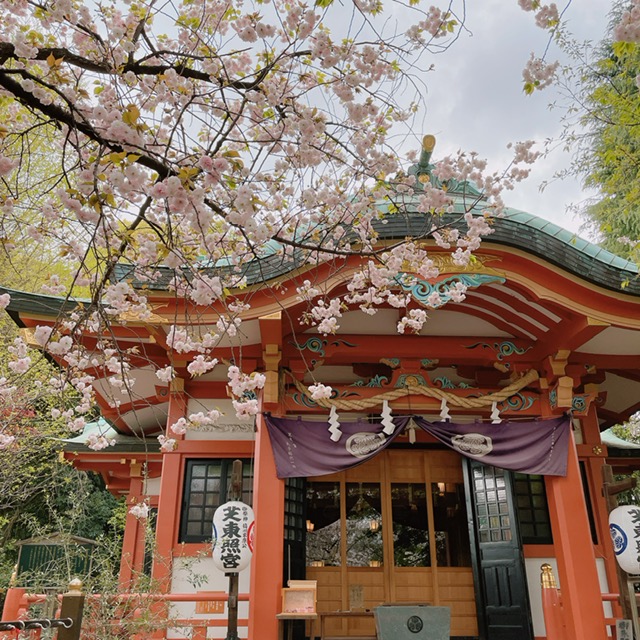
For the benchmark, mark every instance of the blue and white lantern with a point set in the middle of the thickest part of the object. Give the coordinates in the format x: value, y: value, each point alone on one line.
x: 624, y: 526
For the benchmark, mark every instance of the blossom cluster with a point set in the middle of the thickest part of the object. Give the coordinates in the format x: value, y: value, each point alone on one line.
x: 140, y: 510
x: 628, y: 27
x: 243, y: 387
x: 320, y: 391
x: 187, y: 147
x: 546, y: 15
x: 539, y: 74
x: 199, y: 419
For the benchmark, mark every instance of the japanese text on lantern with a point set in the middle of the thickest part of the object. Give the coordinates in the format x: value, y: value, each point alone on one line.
x: 233, y: 524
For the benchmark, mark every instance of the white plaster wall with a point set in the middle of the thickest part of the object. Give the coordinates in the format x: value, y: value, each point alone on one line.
x: 152, y: 487
x: 532, y: 567
x: 229, y: 427
x: 192, y: 575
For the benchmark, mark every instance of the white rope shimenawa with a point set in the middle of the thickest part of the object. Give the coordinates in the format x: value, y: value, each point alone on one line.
x: 452, y: 399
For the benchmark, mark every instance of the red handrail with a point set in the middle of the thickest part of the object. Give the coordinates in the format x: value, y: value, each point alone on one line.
x: 18, y: 601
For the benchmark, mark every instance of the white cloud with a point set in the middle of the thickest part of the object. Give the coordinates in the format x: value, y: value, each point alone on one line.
x: 475, y: 99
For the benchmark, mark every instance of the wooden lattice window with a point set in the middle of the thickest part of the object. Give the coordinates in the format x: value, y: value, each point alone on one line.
x: 205, y: 488
x: 532, y: 509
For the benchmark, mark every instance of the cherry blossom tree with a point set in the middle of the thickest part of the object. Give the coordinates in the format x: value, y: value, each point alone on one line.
x: 193, y: 134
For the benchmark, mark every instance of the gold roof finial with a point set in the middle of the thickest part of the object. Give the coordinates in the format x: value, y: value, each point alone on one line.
x: 428, y: 144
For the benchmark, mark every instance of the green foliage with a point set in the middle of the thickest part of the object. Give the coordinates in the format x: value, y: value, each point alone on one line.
x: 630, y: 431
x: 607, y: 98
x: 26, y: 262
x: 39, y: 493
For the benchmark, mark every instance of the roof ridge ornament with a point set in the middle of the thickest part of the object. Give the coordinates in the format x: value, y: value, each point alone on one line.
x: 423, y: 171
x: 428, y: 145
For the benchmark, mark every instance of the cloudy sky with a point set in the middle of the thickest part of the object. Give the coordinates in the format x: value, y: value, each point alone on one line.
x: 475, y: 99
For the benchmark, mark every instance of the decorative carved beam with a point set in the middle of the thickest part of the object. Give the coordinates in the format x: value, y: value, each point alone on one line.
x: 271, y: 338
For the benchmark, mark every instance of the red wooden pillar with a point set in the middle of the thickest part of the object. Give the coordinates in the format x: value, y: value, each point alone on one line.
x: 551, y: 608
x: 582, y: 603
x: 593, y: 453
x: 268, y: 556
x: 168, y: 516
x: 132, y: 560
x: 168, y: 504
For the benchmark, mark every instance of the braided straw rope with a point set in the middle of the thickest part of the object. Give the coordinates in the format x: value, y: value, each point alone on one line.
x: 431, y: 392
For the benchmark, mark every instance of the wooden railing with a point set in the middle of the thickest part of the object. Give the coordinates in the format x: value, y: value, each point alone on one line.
x: 141, y: 616
x: 553, y: 611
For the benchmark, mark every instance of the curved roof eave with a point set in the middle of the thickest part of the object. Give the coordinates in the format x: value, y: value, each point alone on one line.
x: 517, y: 229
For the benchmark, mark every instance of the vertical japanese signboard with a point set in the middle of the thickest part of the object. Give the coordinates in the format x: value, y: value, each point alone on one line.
x: 233, y: 530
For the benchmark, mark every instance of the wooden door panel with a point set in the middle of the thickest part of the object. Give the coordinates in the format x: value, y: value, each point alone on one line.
x: 405, y: 466
x: 450, y: 586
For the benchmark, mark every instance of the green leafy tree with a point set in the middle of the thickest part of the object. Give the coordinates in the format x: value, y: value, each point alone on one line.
x: 603, y: 130
x: 39, y: 493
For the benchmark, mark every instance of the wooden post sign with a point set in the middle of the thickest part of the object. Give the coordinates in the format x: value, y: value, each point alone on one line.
x: 233, y: 530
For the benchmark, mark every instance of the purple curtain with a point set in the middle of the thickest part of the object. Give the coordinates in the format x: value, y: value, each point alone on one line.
x: 304, y: 448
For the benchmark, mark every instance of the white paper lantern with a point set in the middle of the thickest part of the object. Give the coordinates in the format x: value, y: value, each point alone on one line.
x: 233, y: 530
x: 624, y: 526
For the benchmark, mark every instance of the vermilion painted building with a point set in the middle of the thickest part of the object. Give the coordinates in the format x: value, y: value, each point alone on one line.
x: 546, y: 330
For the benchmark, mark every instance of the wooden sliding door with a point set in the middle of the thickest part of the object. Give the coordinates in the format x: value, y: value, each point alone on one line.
x: 392, y: 530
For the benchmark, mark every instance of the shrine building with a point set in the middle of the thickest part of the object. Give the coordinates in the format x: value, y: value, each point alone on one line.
x: 447, y: 466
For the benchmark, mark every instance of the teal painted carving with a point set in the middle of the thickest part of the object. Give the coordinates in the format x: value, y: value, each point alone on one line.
x: 421, y: 290
x: 314, y: 344
x: 317, y: 345
x: 394, y: 363
x: 304, y: 400
x: 553, y: 398
x: 376, y: 381
x: 517, y: 402
x: 445, y: 383
x: 502, y: 349
x: 579, y: 404
x: 427, y: 363
x: 343, y: 343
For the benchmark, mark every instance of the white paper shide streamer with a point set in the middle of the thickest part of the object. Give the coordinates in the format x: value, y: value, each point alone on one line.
x: 334, y: 425
x: 387, y: 419
x: 444, y: 410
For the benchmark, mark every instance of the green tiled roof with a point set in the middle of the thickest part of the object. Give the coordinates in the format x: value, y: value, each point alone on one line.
x: 611, y: 440
x: 123, y: 443
x: 518, y: 229
x: 39, y: 304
